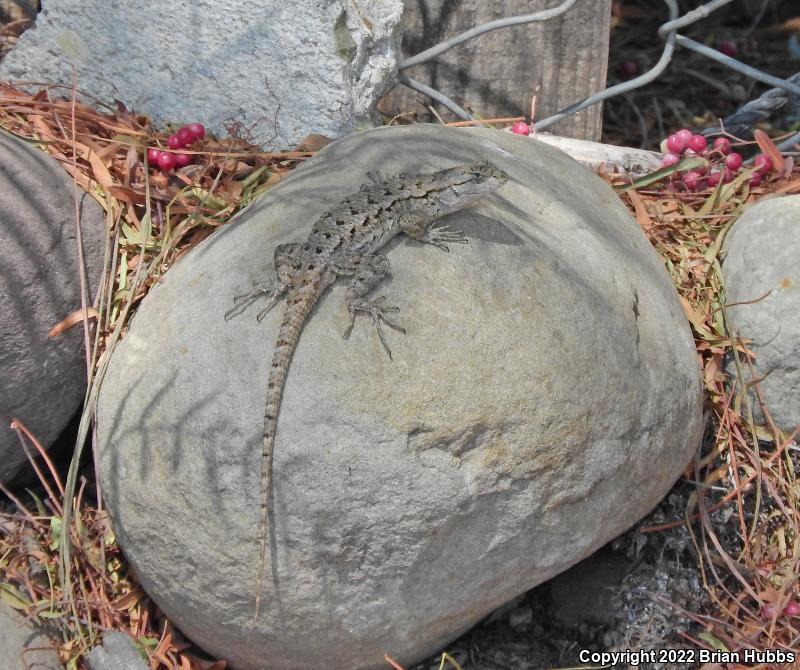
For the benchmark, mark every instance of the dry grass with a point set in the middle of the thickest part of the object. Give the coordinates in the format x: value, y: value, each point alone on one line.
x: 154, y: 218
x: 744, y: 469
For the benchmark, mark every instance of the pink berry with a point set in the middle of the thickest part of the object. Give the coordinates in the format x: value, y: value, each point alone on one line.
x: 182, y: 160
x: 198, y: 130
x: 629, y: 68
x: 723, y: 145
x: 792, y: 608
x: 729, y: 48
x: 669, y: 159
x: 693, y: 180
x: 152, y: 156
x: 763, y: 163
x: 520, y: 128
x: 768, y: 610
x: 166, y: 161
x: 713, y: 178
x: 685, y: 134
x: 728, y: 175
x: 733, y: 161
x: 675, y: 144
x: 697, y: 143
x: 185, y: 136
x: 174, y: 142
x: 756, y: 179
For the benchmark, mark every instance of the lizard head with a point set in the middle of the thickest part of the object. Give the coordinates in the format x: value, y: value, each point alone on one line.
x: 459, y: 186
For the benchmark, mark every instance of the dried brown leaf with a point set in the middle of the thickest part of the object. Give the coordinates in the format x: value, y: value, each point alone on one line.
x: 126, y: 194
x: 769, y: 148
x: 70, y: 320
x: 314, y: 142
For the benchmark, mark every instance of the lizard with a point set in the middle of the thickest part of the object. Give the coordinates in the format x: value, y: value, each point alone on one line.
x: 344, y: 241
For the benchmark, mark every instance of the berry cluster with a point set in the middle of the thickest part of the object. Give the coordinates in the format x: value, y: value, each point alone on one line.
x: 168, y: 160
x: 792, y: 609
x: 722, y: 163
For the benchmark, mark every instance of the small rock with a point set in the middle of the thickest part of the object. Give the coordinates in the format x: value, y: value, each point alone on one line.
x: 117, y: 653
x: 761, y: 269
x: 17, y: 635
x: 44, y: 378
x: 520, y: 617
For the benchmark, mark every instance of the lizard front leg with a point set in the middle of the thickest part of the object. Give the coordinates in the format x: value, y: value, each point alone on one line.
x: 438, y: 236
x: 367, y: 271
x: 286, y: 258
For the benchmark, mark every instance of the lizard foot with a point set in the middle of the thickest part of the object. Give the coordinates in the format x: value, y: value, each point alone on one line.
x: 376, y: 309
x: 242, y: 302
x: 441, y: 236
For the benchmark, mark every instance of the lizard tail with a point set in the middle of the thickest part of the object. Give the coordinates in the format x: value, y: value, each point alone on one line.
x: 298, y: 307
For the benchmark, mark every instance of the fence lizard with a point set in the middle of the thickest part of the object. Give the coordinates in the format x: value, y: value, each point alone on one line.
x: 344, y: 241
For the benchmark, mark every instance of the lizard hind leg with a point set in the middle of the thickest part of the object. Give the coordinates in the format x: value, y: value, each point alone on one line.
x: 367, y: 271
x: 286, y: 256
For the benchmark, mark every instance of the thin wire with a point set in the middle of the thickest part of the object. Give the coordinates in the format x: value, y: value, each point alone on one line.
x: 441, y: 98
x: 668, y: 32
x: 485, y: 28
x: 624, y: 87
x: 753, y: 73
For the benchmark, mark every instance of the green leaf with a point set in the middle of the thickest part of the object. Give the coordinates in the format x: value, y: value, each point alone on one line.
x: 13, y: 598
x: 684, y: 164
x: 714, y: 642
x: 47, y: 614
x: 128, y: 139
x: 55, y: 528
x: 41, y: 510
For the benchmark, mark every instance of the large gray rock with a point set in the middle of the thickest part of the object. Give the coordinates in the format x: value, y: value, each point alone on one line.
x: 43, y: 378
x: 275, y: 70
x: 23, y: 646
x: 761, y: 269
x: 545, y: 397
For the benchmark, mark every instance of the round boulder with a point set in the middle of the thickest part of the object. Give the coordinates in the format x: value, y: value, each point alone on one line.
x: 762, y: 288
x: 44, y: 378
x: 545, y: 396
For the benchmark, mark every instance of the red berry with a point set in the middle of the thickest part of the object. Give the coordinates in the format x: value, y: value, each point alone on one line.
x: 755, y: 180
x: 733, y: 161
x: 713, y: 178
x: 152, y: 156
x: 675, y: 144
x: 693, y: 180
x: 166, y: 161
x: 792, y: 608
x: 728, y: 175
x: 723, y: 145
x: 185, y: 136
x: 520, y: 128
x: 182, y: 160
x: 763, y: 163
x: 198, y: 130
x: 629, y: 68
x: 669, y: 159
x: 729, y: 48
x: 697, y: 143
x: 174, y: 142
x: 685, y: 134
